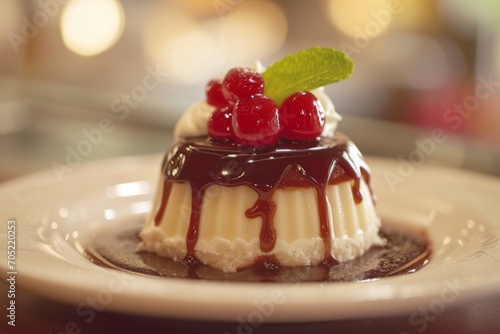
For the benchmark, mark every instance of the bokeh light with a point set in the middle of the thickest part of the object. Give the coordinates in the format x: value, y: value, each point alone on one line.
x: 190, y: 55
x: 193, y: 50
x: 89, y: 27
x: 415, y: 15
x: 252, y: 31
x: 9, y: 19
x: 179, y: 45
x: 199, y: 8
x: 353, y: 18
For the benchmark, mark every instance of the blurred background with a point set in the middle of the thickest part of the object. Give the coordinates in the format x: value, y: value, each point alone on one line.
x: 82, y: 80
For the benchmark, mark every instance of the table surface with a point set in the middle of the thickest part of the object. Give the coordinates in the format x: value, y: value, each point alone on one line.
x: 35, y: 314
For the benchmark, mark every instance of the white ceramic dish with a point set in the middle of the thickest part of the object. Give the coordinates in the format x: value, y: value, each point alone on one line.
x: 460, y: 210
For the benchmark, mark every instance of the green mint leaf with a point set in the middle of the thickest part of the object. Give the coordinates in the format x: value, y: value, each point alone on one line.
x: 305, y: 70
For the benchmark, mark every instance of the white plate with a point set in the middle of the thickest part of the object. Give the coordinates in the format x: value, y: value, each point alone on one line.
x: 461, y: 211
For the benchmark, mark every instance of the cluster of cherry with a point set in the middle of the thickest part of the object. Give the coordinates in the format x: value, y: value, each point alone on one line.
x: 246, y: 115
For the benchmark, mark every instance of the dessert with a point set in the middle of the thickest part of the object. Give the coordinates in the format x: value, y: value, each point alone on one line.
x: 258, y: 174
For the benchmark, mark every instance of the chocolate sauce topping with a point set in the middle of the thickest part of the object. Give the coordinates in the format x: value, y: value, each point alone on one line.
x: 202, y: 162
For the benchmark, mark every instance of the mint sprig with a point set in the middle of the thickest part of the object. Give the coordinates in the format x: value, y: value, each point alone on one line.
x: 305, y: 70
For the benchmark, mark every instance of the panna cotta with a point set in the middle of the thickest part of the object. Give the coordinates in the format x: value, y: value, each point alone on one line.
x: 258, y: 177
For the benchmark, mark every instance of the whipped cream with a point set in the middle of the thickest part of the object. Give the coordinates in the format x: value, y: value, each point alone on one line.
x: 332, y: 118
x: 194, y: 120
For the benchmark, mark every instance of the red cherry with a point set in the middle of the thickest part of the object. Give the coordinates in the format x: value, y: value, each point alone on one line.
x: 256, y: 121
x: 219, y: 124
x: 302, y: 117
x: 213, y: 91
x: 241, y: 82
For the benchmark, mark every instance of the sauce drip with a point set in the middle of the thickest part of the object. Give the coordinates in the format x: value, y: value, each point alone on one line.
x: 201, y: 163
